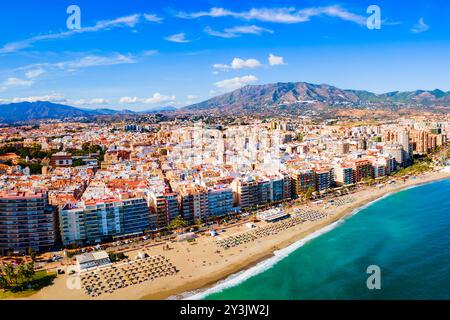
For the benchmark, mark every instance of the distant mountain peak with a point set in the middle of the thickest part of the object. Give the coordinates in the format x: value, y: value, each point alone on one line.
x: 297, y: 96
x: 39, y: 110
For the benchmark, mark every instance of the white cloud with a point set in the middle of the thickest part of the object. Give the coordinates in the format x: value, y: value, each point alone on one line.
x: 214, y: 12
x: 95, y: 61
x: 89, y: 102
x: 238, y: 63
x: 156, y: 98
x: 34, y: 73
x: 54, y: 97
x: 275, y: 60
x: 127, y: 21
x: 237, y: 31
x: 79, y: 102
x: 280, y: 15
x: 152, y: 18
x: 127, y: 100
x: 99, y: 101
x: 420, y: 27
x: 80, y: 63
x: 235, y: 83
x: 150, y: 53
x: 58, y: 98
x: 179, y: 38
x: 16, y: 82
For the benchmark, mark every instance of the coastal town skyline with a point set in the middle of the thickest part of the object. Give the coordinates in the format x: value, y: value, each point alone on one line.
x: 176, y: 54
x: 224, y: 150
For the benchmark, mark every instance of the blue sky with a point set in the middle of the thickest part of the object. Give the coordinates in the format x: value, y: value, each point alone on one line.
x: 140, y: 54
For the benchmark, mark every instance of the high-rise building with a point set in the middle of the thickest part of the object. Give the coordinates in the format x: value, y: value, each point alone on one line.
x: 396, y: 151
x: 340, y: 147
x: 27, y: 221
x: 220, y: 201
x: 194, y: 203
x: 379, y: 169
x: 362, y: 169
x: 343, y: 174
x: 302, y: 181
x: 324, y: 178
x: 404, y: 141
x: 95, y: 221
x: 287, y: 186
x: 425, y: 142
x: 164, y: 208
x: 246, y: 192
x: 264, y: 191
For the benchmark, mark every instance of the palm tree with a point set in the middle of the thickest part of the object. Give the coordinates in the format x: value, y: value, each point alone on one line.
x: 29, y: 271
x: 3, y: 283
x: 16, y: 277
x: 8, y: 275
x: 20, y: 277
x: 309, y: 193
x: 178, y: 223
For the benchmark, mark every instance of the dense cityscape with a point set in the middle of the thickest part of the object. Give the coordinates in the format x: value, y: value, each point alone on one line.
x: 142, y: 178
x: 219, y: 150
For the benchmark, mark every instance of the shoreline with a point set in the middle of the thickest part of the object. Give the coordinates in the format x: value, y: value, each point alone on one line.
x: 203, y: 267
x: 352, y: 210
x: 348, y: 212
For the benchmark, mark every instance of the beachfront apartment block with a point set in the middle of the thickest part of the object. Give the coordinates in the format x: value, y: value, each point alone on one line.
x: 343, y: 174
x: 220, y: 201
x: 324, y: 179
x: 396, y: 151
x: 362, y: 169
x: 95, y: 221
x: 27, y: 221
x: 250, y: 192
x: 163, y: 208
x: 302, y: 181
x: 198, y: 202
x: 194, y: 203
x: 265, y: 188
x: 245, y: 192
x: 378, y: 169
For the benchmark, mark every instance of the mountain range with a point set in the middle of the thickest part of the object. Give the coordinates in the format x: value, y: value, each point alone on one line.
x: 277, y: 98
x: 39, y: 110
x: 292, y: 97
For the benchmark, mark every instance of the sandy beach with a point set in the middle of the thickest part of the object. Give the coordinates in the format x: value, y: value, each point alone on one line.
x: 204, y: 263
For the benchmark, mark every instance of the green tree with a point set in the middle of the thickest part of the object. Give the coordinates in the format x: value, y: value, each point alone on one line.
x: 178, y: 223
x: 16, y: 277
x: 299, y: 137
x: 78, y: 163
x: 20, y: 276
x: 308, y: 194
x: 31, y: 253
x: 7, y: 273
x: 29, y: 271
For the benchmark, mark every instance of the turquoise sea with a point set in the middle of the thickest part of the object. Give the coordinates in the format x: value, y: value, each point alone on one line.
x: 406, y: 234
